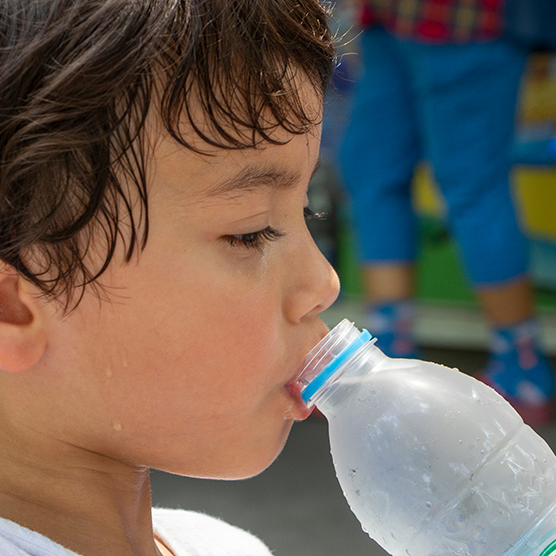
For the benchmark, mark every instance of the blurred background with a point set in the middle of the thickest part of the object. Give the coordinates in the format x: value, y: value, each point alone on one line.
x: 296, y: 506
x: 448, y: 315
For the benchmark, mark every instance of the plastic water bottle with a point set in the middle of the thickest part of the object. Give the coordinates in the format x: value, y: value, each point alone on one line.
x: 431, y: 461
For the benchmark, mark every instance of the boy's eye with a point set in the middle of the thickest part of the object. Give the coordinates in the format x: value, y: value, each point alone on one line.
x: 257, y: 240
x: 254, y: 240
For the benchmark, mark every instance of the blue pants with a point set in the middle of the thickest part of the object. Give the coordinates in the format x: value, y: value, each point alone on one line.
x: 453, y: 105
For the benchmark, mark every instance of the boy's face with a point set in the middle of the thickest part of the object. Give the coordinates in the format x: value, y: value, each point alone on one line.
x: 188, y: 368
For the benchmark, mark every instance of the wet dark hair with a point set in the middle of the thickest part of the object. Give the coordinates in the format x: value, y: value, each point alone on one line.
x: 77, y: 78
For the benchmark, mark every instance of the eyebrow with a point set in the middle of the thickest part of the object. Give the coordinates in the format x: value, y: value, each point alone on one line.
x: 255, y: 176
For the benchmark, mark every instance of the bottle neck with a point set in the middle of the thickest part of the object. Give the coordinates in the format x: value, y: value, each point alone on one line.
x: 333, y: 359
x: 342, y: 383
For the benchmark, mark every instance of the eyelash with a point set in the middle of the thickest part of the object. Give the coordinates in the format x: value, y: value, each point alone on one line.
x: 312, y: 215
x: 256, y: 240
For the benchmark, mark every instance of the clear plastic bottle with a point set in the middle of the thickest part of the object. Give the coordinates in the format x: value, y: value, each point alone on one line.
x: 431, y: 461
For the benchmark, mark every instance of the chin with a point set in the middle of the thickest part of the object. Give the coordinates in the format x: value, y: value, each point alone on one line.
x: 236, y: 462
x: 253, y: 461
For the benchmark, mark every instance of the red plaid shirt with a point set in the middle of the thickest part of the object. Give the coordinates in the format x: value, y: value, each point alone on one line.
x: 436, y: 21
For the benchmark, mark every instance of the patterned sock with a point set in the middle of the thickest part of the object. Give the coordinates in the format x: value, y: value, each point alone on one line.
x: 392, y: 325
x: 517, y: 367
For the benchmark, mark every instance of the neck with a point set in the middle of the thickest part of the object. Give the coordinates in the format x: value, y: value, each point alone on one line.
x: 81, y: 500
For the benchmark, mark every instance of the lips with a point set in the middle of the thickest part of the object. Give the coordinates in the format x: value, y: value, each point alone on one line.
x: 300, y: 411
x: 294, y: 387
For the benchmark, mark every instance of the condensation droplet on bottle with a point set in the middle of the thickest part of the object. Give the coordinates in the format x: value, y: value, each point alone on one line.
x: 428, y: 505
x: 353, y: 472
x: 358, y: 492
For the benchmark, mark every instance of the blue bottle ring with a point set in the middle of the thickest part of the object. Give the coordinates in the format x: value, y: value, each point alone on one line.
x: 313, y: 386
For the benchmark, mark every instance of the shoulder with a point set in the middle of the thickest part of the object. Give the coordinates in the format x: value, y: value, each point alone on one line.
x: 192, y: 533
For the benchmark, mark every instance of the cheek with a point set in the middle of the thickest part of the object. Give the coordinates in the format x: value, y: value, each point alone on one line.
x: 240, y: 355
x: 233, y: 323
x: 216, y: 347
x: 199, y: 331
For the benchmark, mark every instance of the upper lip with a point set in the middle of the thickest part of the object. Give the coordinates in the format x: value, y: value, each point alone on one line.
x: 293, y: 384
x: 302, y: 411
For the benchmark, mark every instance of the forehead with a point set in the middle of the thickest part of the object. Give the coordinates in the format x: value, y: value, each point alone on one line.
x: 218, y: 172
x: 229, y: 174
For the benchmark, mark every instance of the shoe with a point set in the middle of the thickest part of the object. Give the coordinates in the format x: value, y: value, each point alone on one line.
x: 392, y: 326
x: 397, y: 346
x: 536, y: 415
x: 520, y: 372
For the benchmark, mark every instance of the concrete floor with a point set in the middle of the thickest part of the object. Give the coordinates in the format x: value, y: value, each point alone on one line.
x: 296, y: 506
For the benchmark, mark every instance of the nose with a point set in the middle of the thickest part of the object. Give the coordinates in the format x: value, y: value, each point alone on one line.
x: 316, y: 285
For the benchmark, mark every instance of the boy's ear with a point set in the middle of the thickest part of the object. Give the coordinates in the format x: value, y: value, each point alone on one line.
x: 23, y: 336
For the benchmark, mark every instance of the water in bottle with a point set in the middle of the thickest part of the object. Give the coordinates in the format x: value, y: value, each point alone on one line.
x: 431, y: 461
